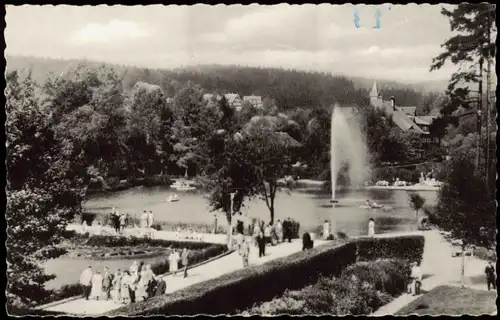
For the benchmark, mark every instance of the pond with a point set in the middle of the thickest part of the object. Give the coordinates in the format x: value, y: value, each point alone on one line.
x: 309, y: 209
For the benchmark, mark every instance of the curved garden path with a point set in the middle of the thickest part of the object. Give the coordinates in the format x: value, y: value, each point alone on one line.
x: 210, y: 270
x: 440, y: 268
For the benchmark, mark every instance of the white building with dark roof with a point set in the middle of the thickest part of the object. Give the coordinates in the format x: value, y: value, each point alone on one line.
x: 405, y: 117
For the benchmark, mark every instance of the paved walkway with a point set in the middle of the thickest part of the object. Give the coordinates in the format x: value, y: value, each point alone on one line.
x: 440, y: 268
x: 213, y: 269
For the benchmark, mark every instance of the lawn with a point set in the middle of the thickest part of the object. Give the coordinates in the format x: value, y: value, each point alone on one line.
x: 447, y: 300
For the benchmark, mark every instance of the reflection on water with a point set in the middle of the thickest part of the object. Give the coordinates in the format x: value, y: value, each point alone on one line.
x: 310, y: 209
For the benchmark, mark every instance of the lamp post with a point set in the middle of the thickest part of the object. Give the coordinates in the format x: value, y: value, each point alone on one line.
x: 478, y: 147
x: 230, y: 242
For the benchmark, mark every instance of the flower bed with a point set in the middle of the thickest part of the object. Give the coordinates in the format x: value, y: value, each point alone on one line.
x: 243, y: 288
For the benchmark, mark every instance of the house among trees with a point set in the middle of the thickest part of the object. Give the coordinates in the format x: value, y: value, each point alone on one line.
x: 405, y: 117
x: 255, y: 101
x: 233, y: 99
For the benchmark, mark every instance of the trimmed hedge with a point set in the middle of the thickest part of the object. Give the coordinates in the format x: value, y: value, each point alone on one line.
x: 245, y: 287
x: 24, y: 312
x: 362, y: 288
x: 410, y: 248
x: 121, y: 241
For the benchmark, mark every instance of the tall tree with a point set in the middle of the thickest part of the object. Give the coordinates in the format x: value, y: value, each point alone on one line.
x: 43, y: 193
x: 472, y: 48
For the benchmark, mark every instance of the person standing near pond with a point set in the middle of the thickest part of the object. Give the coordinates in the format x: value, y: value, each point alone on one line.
x: 490, y: 276
x: 185, y: 261
x: 86, y: 282
x: 96, y: 292
x: 123, y: 221
x: 173, y: 261
x: 107, y: 281
x: 279, y: 231
x: 117, y: 285
x: 371, y: 228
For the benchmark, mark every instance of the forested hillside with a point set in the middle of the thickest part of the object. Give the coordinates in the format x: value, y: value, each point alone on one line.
x: 289, y: 88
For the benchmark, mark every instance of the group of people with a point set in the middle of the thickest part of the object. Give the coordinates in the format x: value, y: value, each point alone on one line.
x: 120, y: 220
x: 123, y: 287
x: 175, y: 257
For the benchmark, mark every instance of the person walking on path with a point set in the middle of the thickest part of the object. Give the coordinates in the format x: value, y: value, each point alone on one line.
x: 490, y: 276
x: 279, y: 231
x: 161, y: 286
x: 416, y: 276
x: 245, y: 252
x: 256, y: 232
x: 288, y: 229
x: 86, y: 282
x: 173, y: 261
x: 371, y: 228
x: 185, y: 261
x: 151, y: 220
x: 126, y: 282
x: 261, y: 242
x: 117, y: 285
x: 150, y: 278
x: 326, y: 230
x: 96, y: 292
x: 107, y: 281
x: 267, y: 233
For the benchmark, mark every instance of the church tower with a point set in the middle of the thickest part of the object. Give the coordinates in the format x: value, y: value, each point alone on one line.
x: 375, y: 98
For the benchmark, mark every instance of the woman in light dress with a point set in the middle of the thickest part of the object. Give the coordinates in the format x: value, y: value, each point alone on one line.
x: 371, y: 228
x: 134, y: 268
x: 173, y: 261
x: 117, y: 286
x: 141, y: 291
x: 125, y: 285
x: 96, y: 291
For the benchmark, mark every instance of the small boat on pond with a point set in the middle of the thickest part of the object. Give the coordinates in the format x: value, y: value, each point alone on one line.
x: 173, y: 198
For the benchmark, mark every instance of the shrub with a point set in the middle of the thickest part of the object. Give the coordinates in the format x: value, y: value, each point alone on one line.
x: 388, y: 276
x: 354, y: 293
x: 410, y: 248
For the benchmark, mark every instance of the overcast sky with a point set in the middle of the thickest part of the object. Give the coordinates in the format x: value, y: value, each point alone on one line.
x: 305, y: 37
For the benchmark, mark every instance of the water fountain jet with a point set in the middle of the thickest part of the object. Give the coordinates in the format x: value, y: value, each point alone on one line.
x: 347, y: 145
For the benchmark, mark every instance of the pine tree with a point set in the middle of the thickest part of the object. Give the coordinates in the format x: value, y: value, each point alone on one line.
x: 470, y: 48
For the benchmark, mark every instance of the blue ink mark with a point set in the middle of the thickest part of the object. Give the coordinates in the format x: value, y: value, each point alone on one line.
x: 377, y: 19
x: 356, y: 17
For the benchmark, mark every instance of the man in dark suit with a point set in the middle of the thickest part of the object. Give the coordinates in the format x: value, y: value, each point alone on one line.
x: 161, y: 286
x: 490, y: 276
x: 261, y: 242
x: 107, y: 280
